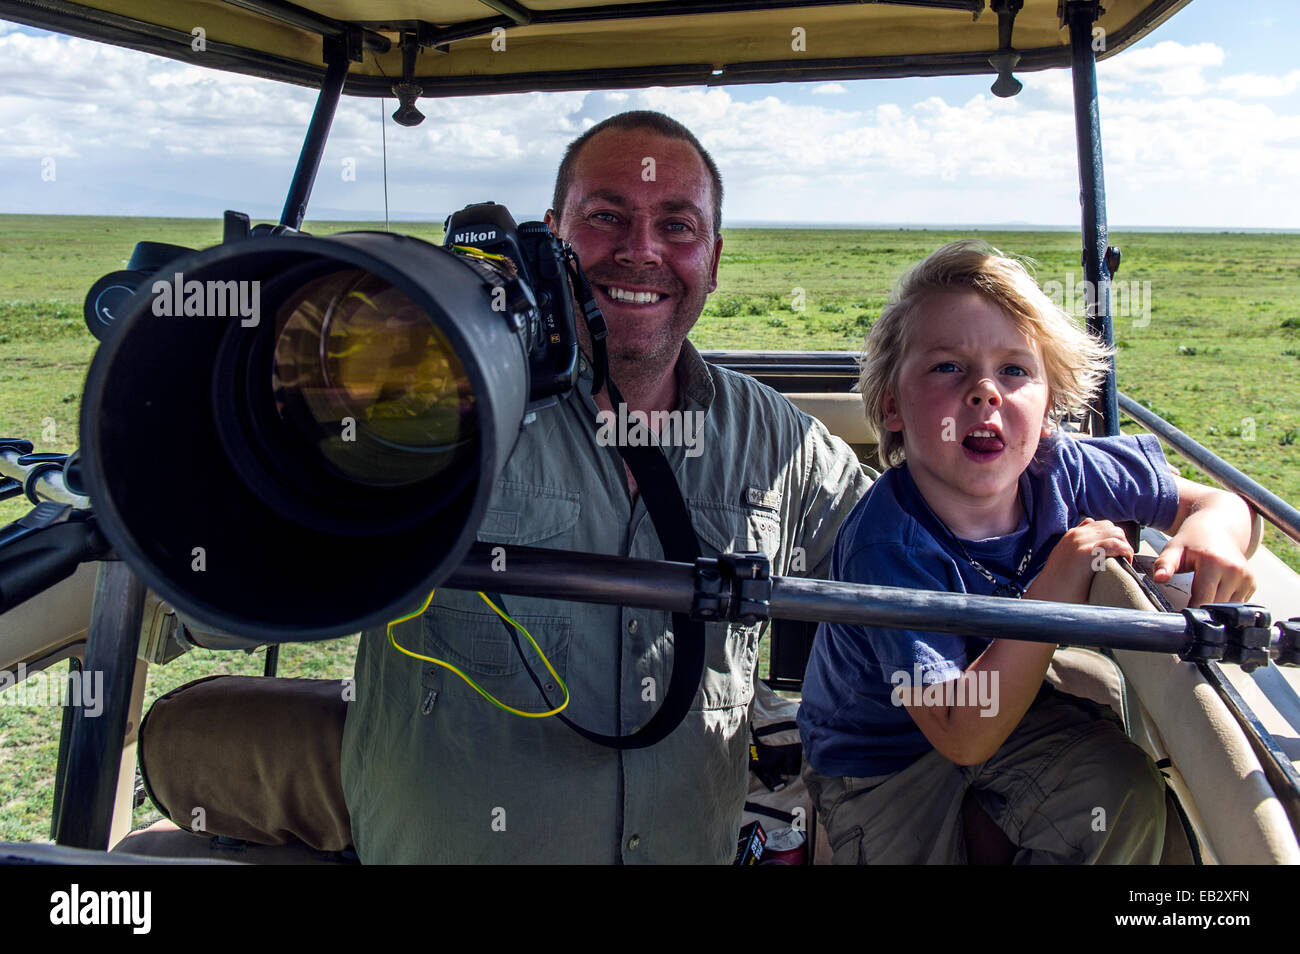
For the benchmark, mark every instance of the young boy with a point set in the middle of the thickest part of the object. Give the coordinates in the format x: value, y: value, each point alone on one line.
x: 966, y: 375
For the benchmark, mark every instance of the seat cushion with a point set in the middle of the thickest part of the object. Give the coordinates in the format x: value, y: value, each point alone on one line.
x: 252, y: 758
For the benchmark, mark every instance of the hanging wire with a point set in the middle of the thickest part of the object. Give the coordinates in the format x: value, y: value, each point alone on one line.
x: 383, y: 135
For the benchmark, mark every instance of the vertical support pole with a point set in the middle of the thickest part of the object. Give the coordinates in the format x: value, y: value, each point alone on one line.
x: 1081, y: 14
x: 313, y: 146
x: 65, y: 739
x: 124, y: 798
x: 95, y: 751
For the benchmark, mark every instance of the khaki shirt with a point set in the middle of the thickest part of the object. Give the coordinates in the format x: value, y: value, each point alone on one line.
x: 435, y: 773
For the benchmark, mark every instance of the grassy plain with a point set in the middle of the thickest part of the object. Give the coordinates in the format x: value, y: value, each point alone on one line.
x: 1212, y: 343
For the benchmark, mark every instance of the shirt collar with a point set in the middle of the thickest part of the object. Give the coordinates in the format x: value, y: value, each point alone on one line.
x: 695, y: 387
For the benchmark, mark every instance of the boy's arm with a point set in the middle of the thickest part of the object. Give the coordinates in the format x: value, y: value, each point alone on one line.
x: 1211, y: 534
x: 1013, y: 670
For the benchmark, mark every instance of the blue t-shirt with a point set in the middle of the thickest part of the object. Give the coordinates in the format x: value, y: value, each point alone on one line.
x: 848, y: 721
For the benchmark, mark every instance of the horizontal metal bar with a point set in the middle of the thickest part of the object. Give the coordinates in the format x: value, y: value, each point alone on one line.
x: 676, y: 8
x: 48, y: 486
x: 520, y: 14
x: 989, y: 616
x: 516, y: 15
x: 313, y: 22
x: 1272, y: 507
x: 824, y: 361
x: 600, y: 578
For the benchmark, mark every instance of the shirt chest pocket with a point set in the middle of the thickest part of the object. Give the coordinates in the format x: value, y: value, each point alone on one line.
x: 531, y: 515
x: 465, y: 632
x: 732, y: 652
x: 724, y: 527
x: 480, y: 645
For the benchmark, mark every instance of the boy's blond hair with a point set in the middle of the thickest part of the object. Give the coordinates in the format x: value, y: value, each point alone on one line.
x: 1075, y: 363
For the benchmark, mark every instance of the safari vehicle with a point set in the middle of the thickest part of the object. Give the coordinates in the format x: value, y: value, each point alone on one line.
x: 1221, y: 721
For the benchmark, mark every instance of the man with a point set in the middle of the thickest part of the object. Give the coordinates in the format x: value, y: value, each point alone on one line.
x: 435, y: 773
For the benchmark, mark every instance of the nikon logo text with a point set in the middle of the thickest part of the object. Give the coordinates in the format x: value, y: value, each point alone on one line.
x: 210, y: 299
x: 75, y: 906
x: 658, y: 428
x: 470, y: 238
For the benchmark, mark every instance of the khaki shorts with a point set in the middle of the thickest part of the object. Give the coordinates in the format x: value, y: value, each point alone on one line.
x: 1067, y: 787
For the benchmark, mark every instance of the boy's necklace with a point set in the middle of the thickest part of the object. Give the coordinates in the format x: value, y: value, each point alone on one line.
x: 1012, y: 587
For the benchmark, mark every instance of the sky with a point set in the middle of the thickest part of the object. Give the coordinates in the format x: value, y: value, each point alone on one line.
x: 1200, y: 126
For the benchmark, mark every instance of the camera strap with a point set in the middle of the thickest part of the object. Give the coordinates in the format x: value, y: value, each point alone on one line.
x: 672, y: 522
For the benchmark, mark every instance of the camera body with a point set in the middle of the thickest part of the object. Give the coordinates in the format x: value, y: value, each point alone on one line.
x: 534, y: 289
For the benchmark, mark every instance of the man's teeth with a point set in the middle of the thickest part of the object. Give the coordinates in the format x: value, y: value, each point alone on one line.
x: 638, y: 298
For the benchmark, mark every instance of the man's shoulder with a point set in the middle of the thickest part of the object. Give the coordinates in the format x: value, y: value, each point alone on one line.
x: 745, y: 405
x: 741, y: 388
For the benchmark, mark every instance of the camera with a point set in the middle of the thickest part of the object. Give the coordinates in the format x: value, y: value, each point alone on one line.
x: 538, y: 258
x: 293, y: 437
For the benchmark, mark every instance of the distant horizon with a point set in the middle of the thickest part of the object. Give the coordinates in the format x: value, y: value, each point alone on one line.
x: 793, y: 225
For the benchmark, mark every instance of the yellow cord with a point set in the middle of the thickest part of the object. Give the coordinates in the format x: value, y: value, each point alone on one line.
x: 478, y: 252
x: 473, y: 685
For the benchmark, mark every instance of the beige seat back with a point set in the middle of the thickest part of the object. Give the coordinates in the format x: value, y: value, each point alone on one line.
x: 1183, y: 715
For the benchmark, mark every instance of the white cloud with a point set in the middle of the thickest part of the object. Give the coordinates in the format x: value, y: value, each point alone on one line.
x: 1253, y: 84
x: 143, y: 135
x: 1174, y: 68
x: 830, y: 89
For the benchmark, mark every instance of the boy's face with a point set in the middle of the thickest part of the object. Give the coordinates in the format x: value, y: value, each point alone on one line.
x: 971, y: 403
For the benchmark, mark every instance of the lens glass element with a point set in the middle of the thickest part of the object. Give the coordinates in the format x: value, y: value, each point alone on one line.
x: 365, y: 374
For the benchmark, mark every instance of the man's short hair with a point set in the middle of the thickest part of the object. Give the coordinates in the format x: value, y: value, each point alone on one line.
x: 665, y: 126
x: 1074, y: 362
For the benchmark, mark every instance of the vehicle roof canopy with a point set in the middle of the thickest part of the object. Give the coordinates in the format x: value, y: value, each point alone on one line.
x: 588, y: 44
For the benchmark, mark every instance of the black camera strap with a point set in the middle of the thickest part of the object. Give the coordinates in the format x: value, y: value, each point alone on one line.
x: 672, y: 522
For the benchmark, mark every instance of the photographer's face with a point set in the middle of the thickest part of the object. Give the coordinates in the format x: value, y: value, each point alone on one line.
x: 644, y: 233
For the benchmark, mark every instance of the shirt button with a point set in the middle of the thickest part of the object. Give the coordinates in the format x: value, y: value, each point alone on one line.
x: 632, y: 626
x: 633, y: 842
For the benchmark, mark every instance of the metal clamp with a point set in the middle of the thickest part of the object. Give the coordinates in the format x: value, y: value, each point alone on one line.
x: 1231, y: 632
x: 1286, y: 649
x: 40, y: 465
x: 735, y: 588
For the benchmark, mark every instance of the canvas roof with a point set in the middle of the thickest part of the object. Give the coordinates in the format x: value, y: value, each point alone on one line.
x: 484, y: 46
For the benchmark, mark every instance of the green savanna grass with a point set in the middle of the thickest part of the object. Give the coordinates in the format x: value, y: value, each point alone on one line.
x: 1219, y: 358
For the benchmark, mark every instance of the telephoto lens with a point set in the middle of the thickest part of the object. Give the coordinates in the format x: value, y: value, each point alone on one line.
x: 294, y: 438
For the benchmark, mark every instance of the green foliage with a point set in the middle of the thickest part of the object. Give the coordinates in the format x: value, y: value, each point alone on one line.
x: 725, y: 307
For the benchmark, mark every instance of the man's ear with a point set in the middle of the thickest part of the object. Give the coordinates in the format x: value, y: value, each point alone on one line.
x: 889, y: 405
x: 717, y: 257
x: 552, y: 222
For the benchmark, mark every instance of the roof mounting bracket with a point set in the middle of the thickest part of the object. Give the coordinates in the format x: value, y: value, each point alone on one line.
x: 1005, y: 59
x: 1092, y: 7
x: 408, y: 91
